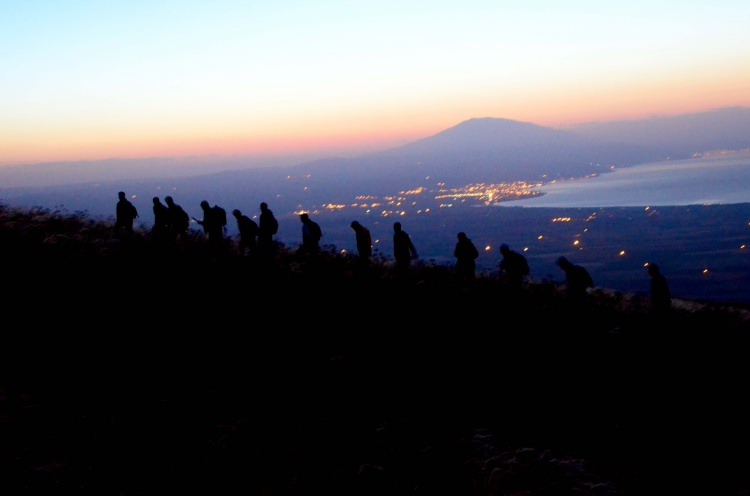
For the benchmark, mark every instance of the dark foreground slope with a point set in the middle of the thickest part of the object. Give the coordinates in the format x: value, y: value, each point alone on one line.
x: 130, y: 373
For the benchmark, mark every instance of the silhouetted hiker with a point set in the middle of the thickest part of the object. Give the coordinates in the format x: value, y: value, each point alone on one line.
x: 268, y: 226
x: 126, y: 213
x: 248, y: 232
x: 513, y: 268
x: 661, y: 298
x: 577, y: 278
x: 364, y: 242
x: 311, y: 234
x: 213, y: 222
x: 160, y: 231
x: 403, y: 249
x: 179, y: 221
x: 466, y: 255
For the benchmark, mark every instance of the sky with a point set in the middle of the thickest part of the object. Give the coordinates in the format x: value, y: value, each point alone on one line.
x: 93, y: 80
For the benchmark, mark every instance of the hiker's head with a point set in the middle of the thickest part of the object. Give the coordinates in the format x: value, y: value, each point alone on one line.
x: 653, y: 269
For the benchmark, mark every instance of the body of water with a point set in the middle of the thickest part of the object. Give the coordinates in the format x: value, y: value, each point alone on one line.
x: 721, y: 179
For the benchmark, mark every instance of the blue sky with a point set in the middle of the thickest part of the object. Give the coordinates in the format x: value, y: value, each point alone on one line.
x: 87, y: 80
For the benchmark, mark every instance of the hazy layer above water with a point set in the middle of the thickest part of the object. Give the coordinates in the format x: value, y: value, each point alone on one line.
x: 721, y: 179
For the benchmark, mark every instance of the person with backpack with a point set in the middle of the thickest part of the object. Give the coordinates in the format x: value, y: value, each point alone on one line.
x: 513, y: 268
x: 660, y: 296
x: 403, y: 250
x: 160, y: 229
x: 311, y: 234
x: 577, y: 279
x: 214, y: 221
x: 125, y: 214
x: 268, y: 226
x: 466, y: 255
x: 364, y: 243
x: 248, y: 232
x: 178, y: 220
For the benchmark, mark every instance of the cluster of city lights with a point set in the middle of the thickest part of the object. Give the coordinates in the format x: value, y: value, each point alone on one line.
x: 422, y: 199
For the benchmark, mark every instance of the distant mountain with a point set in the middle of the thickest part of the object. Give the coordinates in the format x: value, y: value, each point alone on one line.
x: 503, y: 150
x: 677, y: 136
x: 485, y: 150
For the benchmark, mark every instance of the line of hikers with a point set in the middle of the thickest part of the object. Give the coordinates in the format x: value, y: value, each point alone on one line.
x: 171, y: 223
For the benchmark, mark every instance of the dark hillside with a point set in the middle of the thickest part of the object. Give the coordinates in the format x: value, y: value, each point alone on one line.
x: 130, y: 370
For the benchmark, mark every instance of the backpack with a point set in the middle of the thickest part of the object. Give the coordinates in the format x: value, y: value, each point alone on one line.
x: 220, y: 215
x: 274, y: 224
x: 524, y: 265
x: 183, y: 219
x: 315, y: 231
x: 515, y: 262
x: 586, y: 278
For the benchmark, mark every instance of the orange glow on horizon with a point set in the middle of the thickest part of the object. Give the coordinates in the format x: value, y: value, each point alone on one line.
x: 350, y: 136
x: 138, y: 147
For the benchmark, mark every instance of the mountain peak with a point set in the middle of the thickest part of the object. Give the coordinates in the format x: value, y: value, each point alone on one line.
x: 493, y: 125
x: 489, y: 134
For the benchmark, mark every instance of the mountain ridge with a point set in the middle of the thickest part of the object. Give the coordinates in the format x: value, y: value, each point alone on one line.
x: 702, y: 131
x: 526, y: 152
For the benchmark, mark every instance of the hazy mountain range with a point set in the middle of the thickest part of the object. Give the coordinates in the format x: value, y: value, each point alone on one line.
x: 476, y: 150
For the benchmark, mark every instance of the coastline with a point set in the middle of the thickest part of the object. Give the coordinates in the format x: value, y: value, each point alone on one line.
x: 711, y: 179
